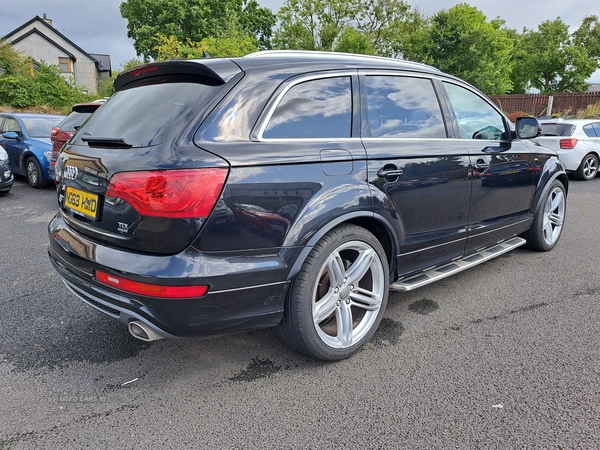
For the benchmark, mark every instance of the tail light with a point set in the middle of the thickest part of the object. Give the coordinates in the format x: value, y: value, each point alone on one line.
x: 150, y: 290
x: 568, y: 144
x: 174, y: 194
x: 54, y: 131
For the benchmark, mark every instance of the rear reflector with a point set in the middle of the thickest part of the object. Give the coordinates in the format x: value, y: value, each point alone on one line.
x: 174, y: 194
x: 568, y: 144
x: 150, y: 290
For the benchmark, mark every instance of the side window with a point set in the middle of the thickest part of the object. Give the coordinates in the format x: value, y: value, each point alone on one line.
x: 11, y: 124
x: 596, y: 126
x: 476, y: 117
x: 590, y: 130
x: 403, y: 107
x: 314, y: 109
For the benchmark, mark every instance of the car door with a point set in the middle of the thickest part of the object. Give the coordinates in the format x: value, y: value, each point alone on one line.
x: 14, y: 147
x: 502, y: 169
x: 592, y: 130
x: 419, y: 176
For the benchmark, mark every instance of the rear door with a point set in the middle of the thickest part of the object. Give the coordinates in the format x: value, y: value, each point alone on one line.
x: 502, y: 169
x: 413, y: 163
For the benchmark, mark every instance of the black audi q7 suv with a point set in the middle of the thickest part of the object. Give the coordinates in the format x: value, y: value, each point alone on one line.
x: 291, y: 190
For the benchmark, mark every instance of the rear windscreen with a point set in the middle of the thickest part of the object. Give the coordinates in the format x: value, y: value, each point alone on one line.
x: 148, y: 115
x: 73, y: 121
x: 557, y: 129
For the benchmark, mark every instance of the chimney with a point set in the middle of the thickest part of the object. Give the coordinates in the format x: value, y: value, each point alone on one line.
x: 48, y: 21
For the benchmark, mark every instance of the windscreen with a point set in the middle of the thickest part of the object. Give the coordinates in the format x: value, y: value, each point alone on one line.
x: 147, y: 115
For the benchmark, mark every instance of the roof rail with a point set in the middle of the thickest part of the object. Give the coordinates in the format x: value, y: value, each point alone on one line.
x: 329, y: 55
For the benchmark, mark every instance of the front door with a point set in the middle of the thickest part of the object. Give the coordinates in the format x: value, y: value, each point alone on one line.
x: 502, y: 170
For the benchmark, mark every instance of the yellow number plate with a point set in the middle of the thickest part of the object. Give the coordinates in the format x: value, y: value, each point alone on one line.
x: 82, y: 202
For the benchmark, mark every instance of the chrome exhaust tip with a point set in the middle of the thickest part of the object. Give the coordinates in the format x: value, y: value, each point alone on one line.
x: 143, y: 332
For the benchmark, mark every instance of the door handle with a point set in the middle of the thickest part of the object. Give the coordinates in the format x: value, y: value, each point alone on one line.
x: 383, y: 173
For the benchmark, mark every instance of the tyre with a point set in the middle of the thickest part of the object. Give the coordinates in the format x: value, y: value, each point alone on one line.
x: 588, y: 169
x: 339, y: 296
x: 548, y: 220
x: 33, y: 171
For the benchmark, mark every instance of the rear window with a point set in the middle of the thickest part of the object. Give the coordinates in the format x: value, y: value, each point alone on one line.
x: 73, y: 121
x: 557, y: 129
x: 148, y: 115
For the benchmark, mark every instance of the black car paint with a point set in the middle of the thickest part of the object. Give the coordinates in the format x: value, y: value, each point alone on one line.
x: 319, y: 183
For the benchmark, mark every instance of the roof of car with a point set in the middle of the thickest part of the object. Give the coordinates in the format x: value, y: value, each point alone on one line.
x: 568, y: 121
x: 334, y: 59
x: 34, y: 115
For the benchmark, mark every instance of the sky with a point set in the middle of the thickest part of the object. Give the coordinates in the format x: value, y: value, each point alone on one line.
x: 97, y: 26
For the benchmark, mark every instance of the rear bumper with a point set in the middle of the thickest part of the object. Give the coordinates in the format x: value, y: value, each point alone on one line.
x: 246, y: 292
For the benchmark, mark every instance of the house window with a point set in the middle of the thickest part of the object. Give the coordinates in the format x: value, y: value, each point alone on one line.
x: 64, y: 64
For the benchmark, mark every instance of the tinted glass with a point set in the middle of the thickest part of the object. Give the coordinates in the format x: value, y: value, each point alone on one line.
x: 403, y: 107
x: 73, y: 121
x: 148, y: 115
x: 557, y: 129
x: 477, y: 119
x: 314, y: 109
x: 589, y: 130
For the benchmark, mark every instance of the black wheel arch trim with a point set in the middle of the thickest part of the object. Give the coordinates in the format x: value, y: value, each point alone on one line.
x: 355, y: 218
x: 540, y: 194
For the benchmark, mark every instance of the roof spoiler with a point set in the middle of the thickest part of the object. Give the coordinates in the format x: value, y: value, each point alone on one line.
x: 174, y: 71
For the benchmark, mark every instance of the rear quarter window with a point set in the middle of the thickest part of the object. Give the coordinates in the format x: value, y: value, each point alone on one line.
x: 319, y: 108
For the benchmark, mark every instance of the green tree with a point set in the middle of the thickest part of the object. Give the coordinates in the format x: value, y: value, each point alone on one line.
x: 192, y: 20
x: 556, y: 61
x: 359, y: 26
x: 232, y: 40
x: 462, y: 42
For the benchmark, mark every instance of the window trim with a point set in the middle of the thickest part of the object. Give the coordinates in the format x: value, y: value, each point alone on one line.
x: 68, y: 62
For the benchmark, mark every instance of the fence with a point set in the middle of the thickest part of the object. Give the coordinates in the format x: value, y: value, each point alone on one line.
x: 544, y: 104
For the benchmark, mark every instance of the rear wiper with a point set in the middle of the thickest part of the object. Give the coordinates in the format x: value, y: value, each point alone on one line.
x: 111, y: 142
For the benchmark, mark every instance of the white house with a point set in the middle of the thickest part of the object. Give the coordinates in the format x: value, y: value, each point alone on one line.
x: 42, y: 42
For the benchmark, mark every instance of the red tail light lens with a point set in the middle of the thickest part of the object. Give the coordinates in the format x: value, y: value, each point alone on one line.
x: 54, y: 131
x: 568, y: 144
x: 174, y: 194
x: 150, y: 290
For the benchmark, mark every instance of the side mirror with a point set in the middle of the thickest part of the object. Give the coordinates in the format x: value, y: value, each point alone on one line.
x: 10, y: 135
x: 527, y: 127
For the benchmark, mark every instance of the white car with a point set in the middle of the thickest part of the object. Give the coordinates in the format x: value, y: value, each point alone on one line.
x: 577, y: 142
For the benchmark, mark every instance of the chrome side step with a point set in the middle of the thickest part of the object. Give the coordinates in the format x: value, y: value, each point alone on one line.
x: 429, y: 276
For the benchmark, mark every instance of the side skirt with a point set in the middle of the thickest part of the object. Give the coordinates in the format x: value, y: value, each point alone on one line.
x: 412, y: 282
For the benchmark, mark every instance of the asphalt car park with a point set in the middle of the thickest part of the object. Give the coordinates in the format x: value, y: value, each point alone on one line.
x: 504, y: 355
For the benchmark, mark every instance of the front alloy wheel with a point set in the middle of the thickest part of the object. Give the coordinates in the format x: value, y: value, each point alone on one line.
x: 34, y: 173
x: 339, y: 296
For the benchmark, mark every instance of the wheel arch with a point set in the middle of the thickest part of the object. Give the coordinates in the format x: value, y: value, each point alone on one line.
x: 377, y: 225
x: 544, y: 187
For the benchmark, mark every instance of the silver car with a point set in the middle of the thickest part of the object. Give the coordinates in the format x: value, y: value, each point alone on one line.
x: 577, y: 142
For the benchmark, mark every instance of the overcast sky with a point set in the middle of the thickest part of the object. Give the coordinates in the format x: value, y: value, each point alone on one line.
x: 97, y: 26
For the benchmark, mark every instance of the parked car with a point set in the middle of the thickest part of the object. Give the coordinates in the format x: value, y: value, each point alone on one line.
x: 6, y: 175
x: 577, y: 142
x: 26, y: 139
x: 312, y: 153
x: 62, y: 132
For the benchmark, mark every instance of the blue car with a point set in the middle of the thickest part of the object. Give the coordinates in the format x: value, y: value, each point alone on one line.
x: 26, y: 139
